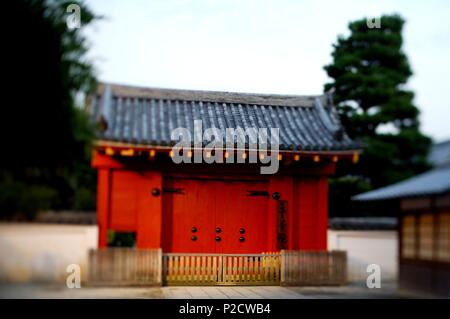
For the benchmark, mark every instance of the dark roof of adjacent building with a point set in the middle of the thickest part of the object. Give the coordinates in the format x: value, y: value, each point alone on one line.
x: 434, y: 182
x: 147, y: 116
x: 55, y: 217
x: 362, y: 223
x: 67, y: 217
x: 440, y: 154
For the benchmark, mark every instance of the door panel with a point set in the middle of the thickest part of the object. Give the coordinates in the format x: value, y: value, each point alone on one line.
x: 192, y: 208
x: 236, y: 210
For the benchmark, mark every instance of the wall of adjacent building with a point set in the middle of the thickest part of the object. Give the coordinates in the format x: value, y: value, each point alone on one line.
x: 365, y: 248
x: 42, y: 252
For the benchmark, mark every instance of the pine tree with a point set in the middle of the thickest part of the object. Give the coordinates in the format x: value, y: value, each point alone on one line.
x: 370, y: 72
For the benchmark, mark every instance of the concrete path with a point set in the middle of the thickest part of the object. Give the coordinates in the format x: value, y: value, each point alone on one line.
x: 199, y: 292
x: 230, y: 292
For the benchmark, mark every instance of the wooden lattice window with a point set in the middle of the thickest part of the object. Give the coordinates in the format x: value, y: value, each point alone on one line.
x: 426, y: 236
x: 443, y: 237
x: 408, y: 236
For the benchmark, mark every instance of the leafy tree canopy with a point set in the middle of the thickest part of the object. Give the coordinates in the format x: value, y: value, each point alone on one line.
x: 45, y: 137
x: 369, y: 75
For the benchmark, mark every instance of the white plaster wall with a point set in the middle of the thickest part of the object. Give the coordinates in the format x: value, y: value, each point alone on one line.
x: 367, y: 247
x: 42, y: 252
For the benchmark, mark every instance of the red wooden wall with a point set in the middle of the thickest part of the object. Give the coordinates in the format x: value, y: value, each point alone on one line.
x: 310, y: 213
x: 125, y: 203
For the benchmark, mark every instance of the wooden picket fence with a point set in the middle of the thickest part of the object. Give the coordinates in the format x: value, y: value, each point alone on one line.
x: 128, y: 266
x: 221, y: 269
x: 313, y: 268
x: 125, y: 266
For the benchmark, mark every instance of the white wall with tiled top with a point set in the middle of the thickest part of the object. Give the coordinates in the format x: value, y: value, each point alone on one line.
x: 365, y: 248
x: 42, y: 252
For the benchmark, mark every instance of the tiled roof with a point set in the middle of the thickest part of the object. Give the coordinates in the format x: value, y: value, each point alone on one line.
x: 147, y: 116
x: 434, y: 182
x: 362, y: 223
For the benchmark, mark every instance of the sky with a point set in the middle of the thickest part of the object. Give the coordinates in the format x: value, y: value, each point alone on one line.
x: 262, y: 46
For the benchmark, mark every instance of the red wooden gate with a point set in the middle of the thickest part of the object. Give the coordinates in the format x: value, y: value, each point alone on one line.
x: 215, y: 216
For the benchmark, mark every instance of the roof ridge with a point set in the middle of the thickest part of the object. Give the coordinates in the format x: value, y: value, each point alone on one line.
x: 213, y: 96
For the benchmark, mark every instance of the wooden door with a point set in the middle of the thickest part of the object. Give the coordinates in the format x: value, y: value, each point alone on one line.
x: 214, y: 216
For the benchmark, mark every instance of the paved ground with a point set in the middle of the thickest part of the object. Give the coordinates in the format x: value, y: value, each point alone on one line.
x: 359, y: 290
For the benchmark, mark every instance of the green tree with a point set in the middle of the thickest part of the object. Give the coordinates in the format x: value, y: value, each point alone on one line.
x: 45, y: 136
x: 369, y: 74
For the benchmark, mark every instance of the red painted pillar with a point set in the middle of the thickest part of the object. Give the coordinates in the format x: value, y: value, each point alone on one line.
x: 149, y: 211
x: 103, y: 205
x: 105, y: 164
